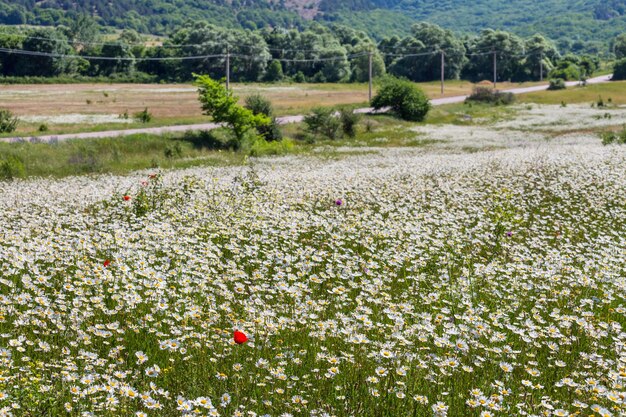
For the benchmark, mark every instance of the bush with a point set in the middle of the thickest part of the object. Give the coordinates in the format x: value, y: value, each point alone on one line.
x: 11, y: 167
x: 405, y: 99
x: 557, y: 84
x: 619, y: 70
x: 8, y: 122
x: 614, y: 137
x: 567, y: 71
x: 349, y: 121
x: 259, y: 105
x: 262, y: 147
x: 490, y: 96
x: 322, y: 121
x: 143, y: 116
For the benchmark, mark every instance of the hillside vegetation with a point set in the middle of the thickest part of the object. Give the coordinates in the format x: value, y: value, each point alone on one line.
x: 578, y: 25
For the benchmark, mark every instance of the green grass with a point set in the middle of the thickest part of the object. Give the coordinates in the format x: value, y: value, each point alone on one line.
x: 615, y: 90
x: 114, y: 155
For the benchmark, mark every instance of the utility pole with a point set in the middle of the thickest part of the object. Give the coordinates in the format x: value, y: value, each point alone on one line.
x: 443, y: 70
x: 541, y: 68
x: 495, y: 70
x: 227, y: 69
x: 369, y: 55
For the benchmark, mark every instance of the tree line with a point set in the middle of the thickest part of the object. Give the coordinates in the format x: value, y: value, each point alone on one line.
x: 320, y: 53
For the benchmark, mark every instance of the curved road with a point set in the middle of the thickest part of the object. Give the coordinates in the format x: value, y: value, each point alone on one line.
x: 281, y: 120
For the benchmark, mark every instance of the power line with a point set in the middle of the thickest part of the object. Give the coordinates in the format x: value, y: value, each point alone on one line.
x: 105, y: 58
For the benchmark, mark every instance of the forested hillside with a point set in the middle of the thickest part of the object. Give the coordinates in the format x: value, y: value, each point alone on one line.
x: 575, y: 25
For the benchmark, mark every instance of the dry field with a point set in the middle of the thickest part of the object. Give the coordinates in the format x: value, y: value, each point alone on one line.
x: 97, y: 104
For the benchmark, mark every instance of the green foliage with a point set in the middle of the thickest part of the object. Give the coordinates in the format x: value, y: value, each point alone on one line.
x: 610, y: 137
x: 259, y: 104
x: 567, y: 71
x: 490, y: 96
x: 405, y: 99
x: 143, y: 116
x: 619, y: 46
x: 619, y: 70
x: 221, y: 105
x: 349, y: 120
x: 322, y: 121
x: 8, y: 122
x: 262, y: 147
x: 11, y: 167
x: 274, y: 71
x: 426, y: 37
x: 557, y: 84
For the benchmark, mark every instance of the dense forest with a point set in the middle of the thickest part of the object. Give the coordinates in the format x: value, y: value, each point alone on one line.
x: 575, y: 25
x: 319, y: 53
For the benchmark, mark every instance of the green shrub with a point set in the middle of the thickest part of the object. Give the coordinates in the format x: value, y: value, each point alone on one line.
x: 349, y: 121
x: 322, y: 121
x: 8, y: 122
x: 610, y: 137
x: 619, y: 70
x: 567, y: 71
x: 143, y: 116
x: 557, y: 84
x: 11, y: 167
x: 43, y: 127
x: 404, y: 98
x: 490, y: 96
x: 173, y: 150
x: 262, y: 147
x: 258, y: 104
x: 274, y: 71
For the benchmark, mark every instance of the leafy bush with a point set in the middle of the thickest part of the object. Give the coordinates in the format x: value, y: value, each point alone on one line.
x: 610, y: 137
x: 259, y: 104
x: 619, y: 70
x: 557, y: 84
x: 262, y: 147
x: 274, y: 71
x: 405, y: 99
x: 143, y: 116
x: 322, y: 121
x: 567, y: 71
x: 223, y: 107
x: 349, y: 121
x: 11, y: 167
x: 8, y: 122
x: 490, y: 96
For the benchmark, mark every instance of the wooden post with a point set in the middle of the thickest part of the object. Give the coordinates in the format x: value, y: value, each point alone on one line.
x: 443, y: 70
x: 370, y: 75
x: 495, y: 70
x: 227, y: 69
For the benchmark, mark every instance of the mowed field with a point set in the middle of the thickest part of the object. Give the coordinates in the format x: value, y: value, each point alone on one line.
x: 84, y: 107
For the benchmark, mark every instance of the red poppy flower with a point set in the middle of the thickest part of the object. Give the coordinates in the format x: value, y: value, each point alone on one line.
x: 240, y: 337
x: 107, y: 263
x: 126, y: 197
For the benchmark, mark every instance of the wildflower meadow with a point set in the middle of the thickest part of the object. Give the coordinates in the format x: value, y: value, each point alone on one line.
x: 396, y: 282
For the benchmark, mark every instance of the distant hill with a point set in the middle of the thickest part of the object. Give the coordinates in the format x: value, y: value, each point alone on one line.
x: 577, y: 25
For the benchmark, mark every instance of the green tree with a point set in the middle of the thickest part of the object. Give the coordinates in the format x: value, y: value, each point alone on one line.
x: 509, y: 50
x: 619, y: 70
x: 619, y: 46
x: 435, y: 38
x: 48, y: 41
x: 542, y: 53
x: 404, y: 98
x: 274, y: 71
x: 221, y: 105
